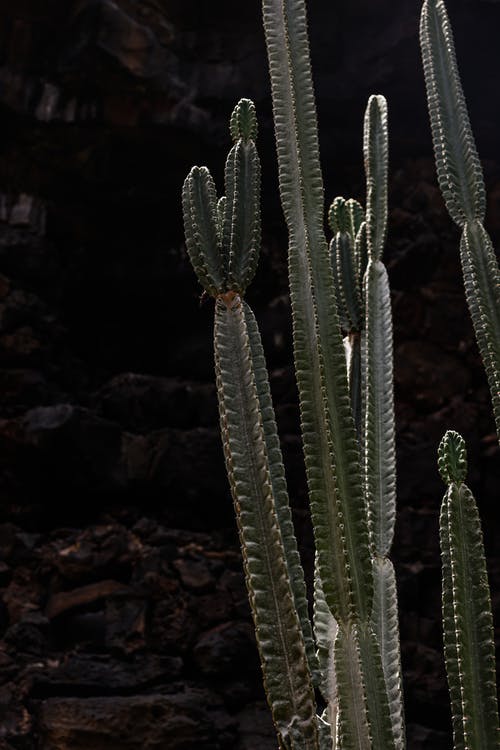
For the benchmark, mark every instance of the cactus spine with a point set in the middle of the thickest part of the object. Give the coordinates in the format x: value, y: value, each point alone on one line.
x: 467, y: 618
x: 461, y: 181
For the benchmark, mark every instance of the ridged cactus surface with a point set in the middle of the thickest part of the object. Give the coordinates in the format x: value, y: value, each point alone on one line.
x: 467, y: 619
x: 461, y: 181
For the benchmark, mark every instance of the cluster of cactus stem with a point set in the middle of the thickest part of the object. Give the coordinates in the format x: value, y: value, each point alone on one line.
x: 342, y: 327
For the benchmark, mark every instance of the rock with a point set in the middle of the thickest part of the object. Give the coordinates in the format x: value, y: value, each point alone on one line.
x: 126, y: 624
x: 179, y: 722
x: 103, y: 549
x: 142, y: 403
x: 161, y: 463
x: 29, y: 635
x: 256, y: 728
x: 66, y: 447
x: 432, y: 374
x: 97, y: 674
x: 194, y: 574
x: 218, y: 650
x: 173, y: 627
x: 65, y: 600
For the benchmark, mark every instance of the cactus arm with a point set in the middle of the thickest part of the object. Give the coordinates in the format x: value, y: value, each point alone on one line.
x: 199, y: 206
x: 278, y: 483
x: 458, y: 167
x: 339, y: 298
x: 279, y: 635
x: 482, y: 289
x: 462, y: 185
x: 472, y: 640
x: 379, y: 456
x: 379, y: 440
x: 241, y: 232
x: 356, y: 216
x: 386, y: 627
x: 348, y: 279
x: 332, y: 459
x: 375, y: 147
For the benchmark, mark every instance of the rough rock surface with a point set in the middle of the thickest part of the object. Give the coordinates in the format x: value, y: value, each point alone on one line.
x: 124, y: 621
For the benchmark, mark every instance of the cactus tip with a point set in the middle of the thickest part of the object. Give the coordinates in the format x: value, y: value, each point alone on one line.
x: 338, y: 216
x: 243, y: 123
x: 452, y: 458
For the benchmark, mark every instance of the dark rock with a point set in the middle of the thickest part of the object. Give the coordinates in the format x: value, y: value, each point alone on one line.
x: 219, y: 649
x: 96, y: 674
x: 194, y: 574
x: 92, y: 552
x: 29, y: 635
x: 255, y: 728
x: 162, y: 461
x: 142, y: 403
x: 63, y: 446
x: 65, y: 600
x: 179, y: 722
x: 432, y: 374
x: 5, y: 574
x: 24, y: 594
x: 214, y: 608
x: 126, y: 624
x: 173, y: 626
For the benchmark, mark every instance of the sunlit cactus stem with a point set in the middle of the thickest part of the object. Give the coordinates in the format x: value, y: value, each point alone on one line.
x: 461, y: 181
x: 379, y: 453
x: 222, y: 239
x: 467, y: 618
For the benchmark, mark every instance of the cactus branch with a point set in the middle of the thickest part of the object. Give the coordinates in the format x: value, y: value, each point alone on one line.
x: 331, y: 452
x: 467, y: 617
x: 279, y: 635
x: 458, y: 167
x: 482, y: 289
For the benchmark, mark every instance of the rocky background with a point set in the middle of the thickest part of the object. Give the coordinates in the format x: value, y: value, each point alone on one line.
x: 123, y: 614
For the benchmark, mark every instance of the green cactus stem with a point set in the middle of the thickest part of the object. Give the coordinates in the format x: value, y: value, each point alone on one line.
x: 379, y: 454
x: 222, y: 240
x: 461, y: 181
x: 467, y: 619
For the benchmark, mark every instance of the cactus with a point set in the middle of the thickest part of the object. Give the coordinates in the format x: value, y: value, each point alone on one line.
x: 467, y: 618
x: 348, y: 256
x: 347, y: 411
x: 363, y: 301
x: 461, y: 181
x: 223, y: 247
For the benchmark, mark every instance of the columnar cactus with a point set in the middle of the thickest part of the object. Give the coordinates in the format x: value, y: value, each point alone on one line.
x: 347, y: 412
x: 467, y: 619
x: 363, y: 302
x: 461, y: 181
x: 223, y: 246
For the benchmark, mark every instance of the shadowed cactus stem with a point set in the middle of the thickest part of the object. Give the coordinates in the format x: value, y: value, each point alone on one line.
x: 461, y: 181
x: 467, y: 618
